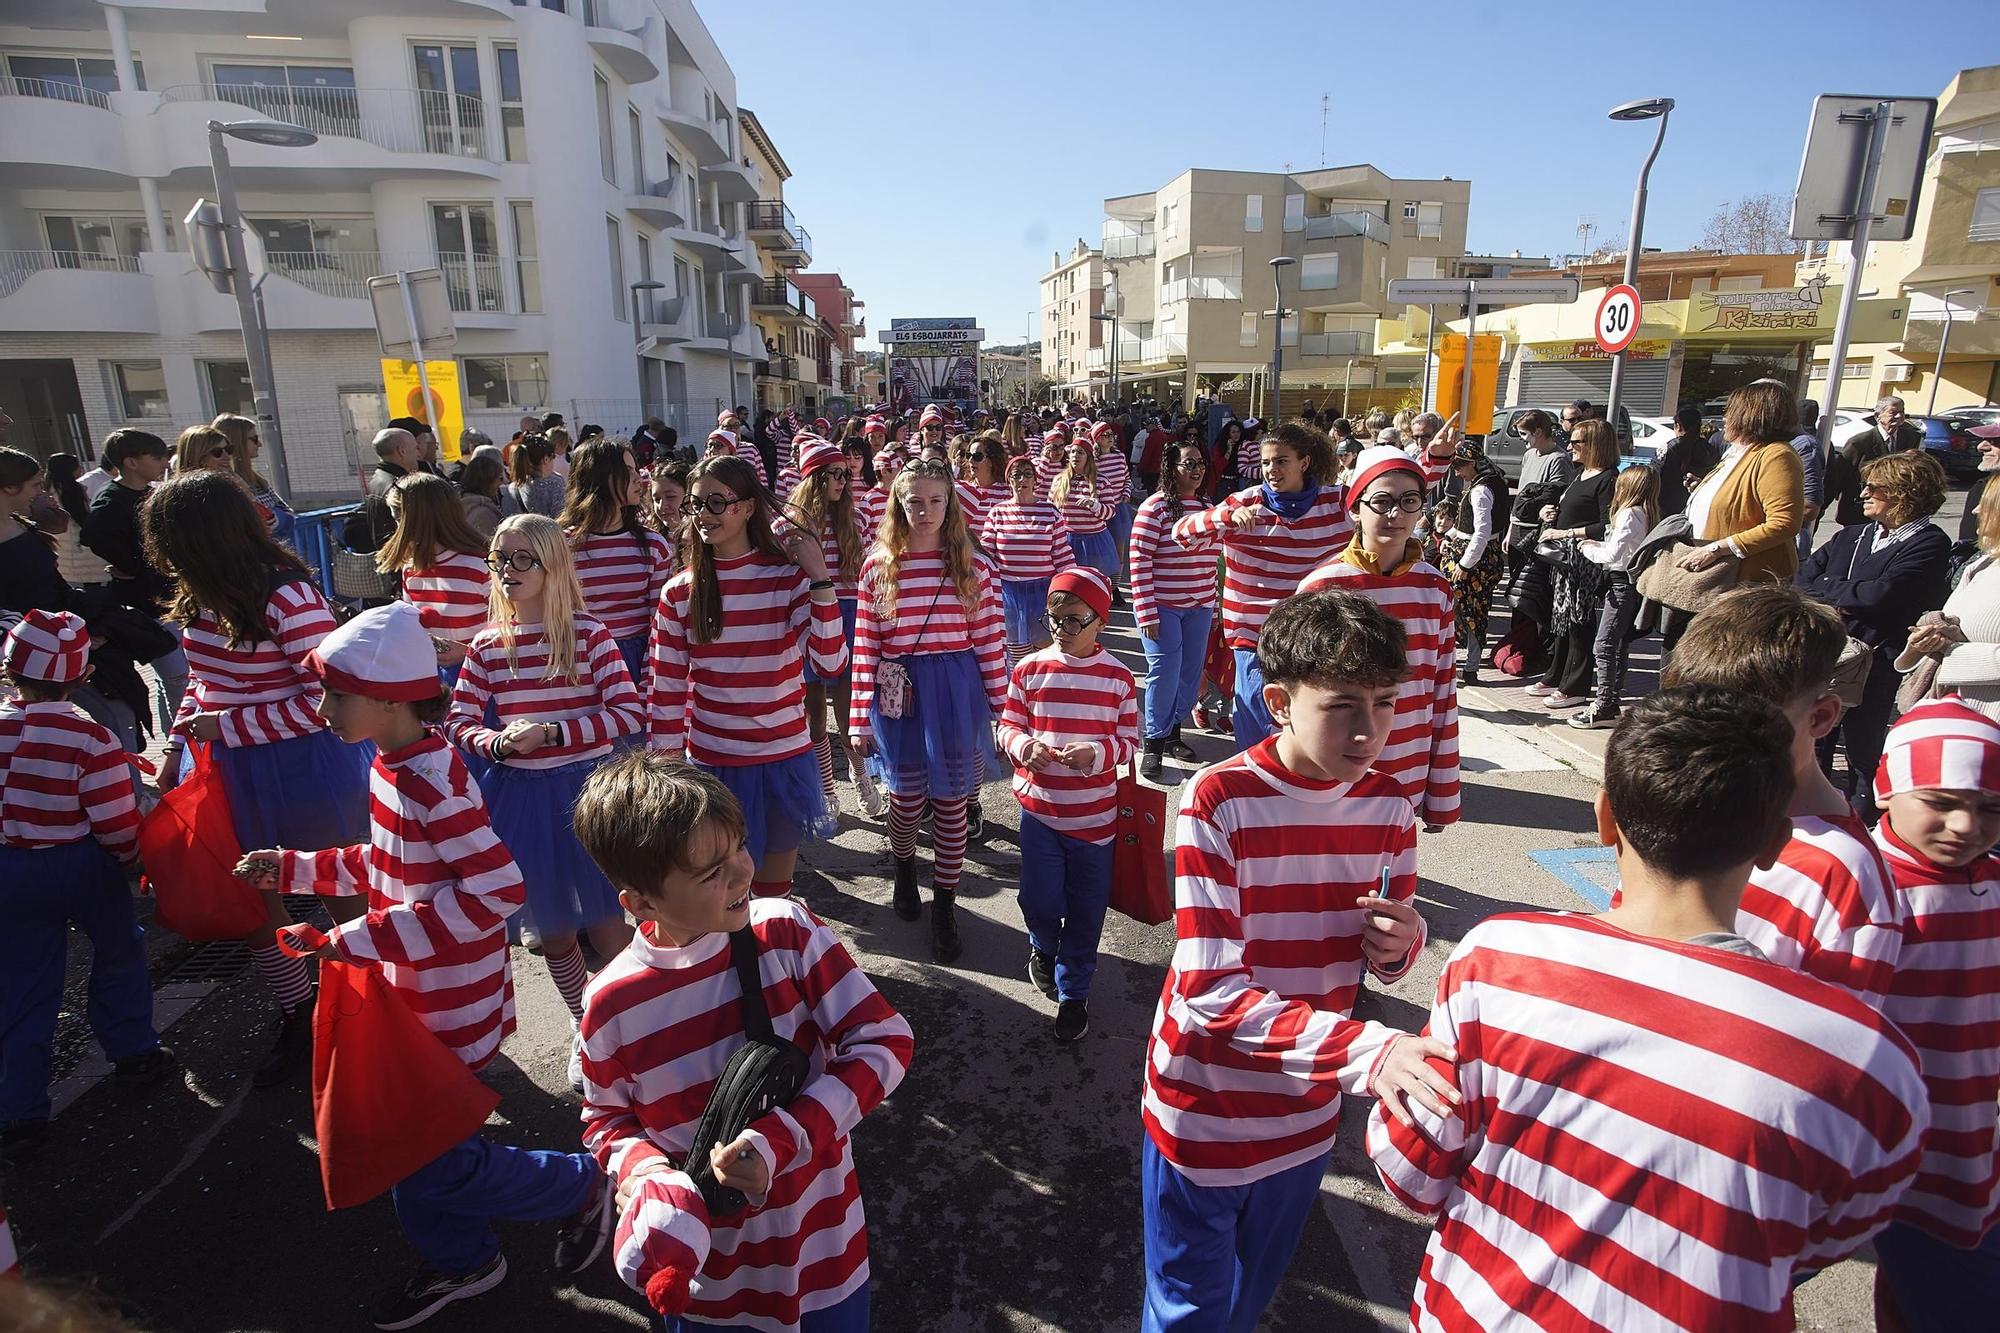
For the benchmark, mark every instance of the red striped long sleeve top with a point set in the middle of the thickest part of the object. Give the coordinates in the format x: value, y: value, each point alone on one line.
x: 64, y: 778
x: 977, y: 502
x: 929, y: 618
x: 1083, y: 512
x: 1263, y: 563
x: 451, y: 595
x: 591, y: 711
x: 440, y: 886
x: 1114, y: 478
x: 1421, y: 754
x: 741, y: 699
x: 1828, y: 908
x: 1946, y: 998
x: 1027, y: 541
x: 659, y: 1024
x: 622, y: 578
x: 1060, y: 700
x: 846, y: 582
x: 1254, y: 1040
x: 1165, y: 570
x: 263, y: 690
x: 1655, y: 1134
x: 747, y: 450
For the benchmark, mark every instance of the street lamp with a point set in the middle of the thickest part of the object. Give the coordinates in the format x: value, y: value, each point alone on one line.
x: 639, y: 333
x: 1111, y: 314
x: 1944, y: 338
x: 256, y: 337
x: 1646, y: 108
x: 1278, y: 267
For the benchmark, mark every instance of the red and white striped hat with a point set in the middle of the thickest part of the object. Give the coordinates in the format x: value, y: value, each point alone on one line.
x: 1103, y: 430
x: 383, y: 653
x: 933, y: 415
x: 1375, y: 462
x: 50, y: 646
x: 1086, y: 585
x: 1940, y: 743
x: 727, y: 436
x: 874, y: 426
x: 816, y: 454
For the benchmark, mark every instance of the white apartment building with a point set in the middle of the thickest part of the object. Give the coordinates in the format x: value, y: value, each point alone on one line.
x: 1072, y: 292
x: 546, y: 156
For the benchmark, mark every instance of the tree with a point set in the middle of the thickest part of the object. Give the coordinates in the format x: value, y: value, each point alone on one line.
x: 1757, y: 224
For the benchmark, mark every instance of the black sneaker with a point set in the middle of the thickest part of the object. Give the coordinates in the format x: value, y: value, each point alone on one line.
x: 907, y: 902
x: 142, y: 1070
x: 1597, y: 717
x: 975, y: 820
x: 582, y: 1238
x: 427, y: 1292
x: 1152, y: 768
x: 292, y: 1050
x: 1042, y: 971
x: 1176, y: 748
x: 1072, y: 1020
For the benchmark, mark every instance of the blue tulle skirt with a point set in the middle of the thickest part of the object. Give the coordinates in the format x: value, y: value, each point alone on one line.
x: 633, y: 650
x: 849, y: 608
x: 304, y: 794
x: 1098, y: 551
x: 784, y: 803
x: 1025, y: 602
x: 938, y: 747
x: 531, y: 811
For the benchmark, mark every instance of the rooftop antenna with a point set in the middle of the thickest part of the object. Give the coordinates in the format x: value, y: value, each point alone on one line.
x: 1586, y: 227
x: 1324, y: 100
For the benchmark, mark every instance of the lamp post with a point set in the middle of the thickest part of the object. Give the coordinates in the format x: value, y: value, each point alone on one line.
x: 1944, y: 339
x: 256, y: 337
x: 1646, y: 108
x: 1110, y: 314
x: 1278, y: 267
x: 639, y: 334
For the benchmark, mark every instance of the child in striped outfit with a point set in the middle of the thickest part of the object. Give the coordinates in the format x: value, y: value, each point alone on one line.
x: 672, y: 838
x: 1384, y: 562
x: 559, y: 698
x: 1070, y: 721
x: 620, y: 564
x: 250, y: 615
x: 732, y: 638
x: 1273, y: 535
x: 69, y: 829
x: 930, y: 627
x: 1051, y: 458
x: 1173, y: 604
x: 1659, y: 1128
x: 984, y: 483
x: 1074, y: 493
x: 1114, y: 485
x: 1295, y: 867
x: 438, y: 886
x: 442, y: 562
x: 1027, y: 542
x: 1939, y: 788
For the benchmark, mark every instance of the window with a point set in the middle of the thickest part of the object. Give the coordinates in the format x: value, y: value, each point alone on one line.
x: 1985, y: 223
x: 1430, y: 220
x: 142, y: 390
x: 96, y: 240
x: 607, y: 158
x: 615, y: 248
x: 1170, y: 220
x: 634, y: 131
x: 1247, y: 335
x: 228, y: 385
x: 69, y: 78
x: 1295, y: 212
x: 321, y: 96
x: 1422, y: 268
x: 1745, y: 282
x: 467, y: 238
x: 1410, y: 210
x: 513, y: 112
x: 680, y: 277
x: 1704, y: 283
x: 518, y: 383
x: 448, y: 101
x: 1319, y: 273
x: 316, y: 235
x: 1253, y: 212
x: 527, y: 261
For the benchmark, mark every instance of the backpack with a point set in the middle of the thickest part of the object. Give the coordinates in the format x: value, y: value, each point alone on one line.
x: 1515, y: 654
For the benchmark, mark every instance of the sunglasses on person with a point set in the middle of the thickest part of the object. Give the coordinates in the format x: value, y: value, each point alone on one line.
x: 222, y: 451
x: 1384, y: 503
x: 518, y: 561
x: 1191, y: 465
x: 715, y: 502
x: 930, y: 468
x: 1070, y: 624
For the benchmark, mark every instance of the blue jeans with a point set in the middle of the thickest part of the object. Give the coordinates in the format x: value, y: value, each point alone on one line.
x: 1935, y: 1283
x: 1173, y: 666
x: 173, y: 673
x: 850, y: 1316
x: 1215, y: 1254
x: 1065, y: 889
x: 447, y: 1208
x: 1251, y: 720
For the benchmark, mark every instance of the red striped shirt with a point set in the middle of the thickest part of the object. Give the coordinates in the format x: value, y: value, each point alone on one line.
x: 845, y: 581
x: 591, y: 711
x: 263, y: 690
x: 1114, y: 478
x: 1263, y: 563
x: 1655, y: 1135
x: 747, y: 450
x: 1828, y: 908
x: 977, y: 501
x: 440, y: 887
x: 451, y: 595
x: 1028, y: 541
x: 1060, y: 700
x: 622, y: 579
x: 659, y: 1025
x: 1165, y: 570
x: 64, y: 778
x: 741, y: 699
x: 1085, y: 514
x: 1253, y: 1040
x: 929, y: 618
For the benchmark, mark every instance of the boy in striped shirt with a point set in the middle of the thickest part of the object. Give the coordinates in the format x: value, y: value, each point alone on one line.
x: 1660, y: 1128
x: 1295, y: 869
x: 1071, y: 720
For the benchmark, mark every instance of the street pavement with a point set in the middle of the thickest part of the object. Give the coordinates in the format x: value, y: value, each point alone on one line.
x: 1000, y: 1181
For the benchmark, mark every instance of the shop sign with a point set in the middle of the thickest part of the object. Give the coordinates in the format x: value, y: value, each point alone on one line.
x: 1776, y: 309
x: 1587, y: 350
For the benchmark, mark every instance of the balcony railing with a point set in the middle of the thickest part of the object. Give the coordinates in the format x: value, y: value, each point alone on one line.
x: 783, y: 292
x: 1347, y: 224
x: 723, y: 326
x: 473, y: 281
x: 402, y: 120
x: 775, y: 215
x: 1140, y: 351
x: 1345, y: 343
x: 1129, y: 245
x: 54, y: 89
x: 1199, y: 288
x: 1983, y: 231
x: 17, y: 266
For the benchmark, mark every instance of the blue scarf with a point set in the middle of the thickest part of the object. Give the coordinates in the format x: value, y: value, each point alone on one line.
x: 1288, y: 504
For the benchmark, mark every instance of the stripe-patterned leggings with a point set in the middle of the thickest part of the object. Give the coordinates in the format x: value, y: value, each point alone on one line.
x: 948, y: 834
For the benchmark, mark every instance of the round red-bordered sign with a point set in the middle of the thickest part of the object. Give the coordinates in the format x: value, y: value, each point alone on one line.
x: 1617, y: 322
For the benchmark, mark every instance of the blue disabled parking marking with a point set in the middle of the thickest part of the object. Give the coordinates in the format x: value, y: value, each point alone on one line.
x: 1589, y: 872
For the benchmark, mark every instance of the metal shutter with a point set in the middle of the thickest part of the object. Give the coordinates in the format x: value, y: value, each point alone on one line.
x: 1565, y: 381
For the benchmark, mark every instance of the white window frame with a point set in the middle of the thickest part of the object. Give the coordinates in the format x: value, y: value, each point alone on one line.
x: 517, y: 105
x: 123, y: 392
x: 1253, y: 212
x: 614, y: 253
x: 527, y: 255
x: 1422, y: 266
x: 1983, y: 222
x: 1319, y: 272
x: 1295, y: 212
x: 510, y: 379
x: 607, y: 152
x: 1430, y: 220
x: 1409, y: 210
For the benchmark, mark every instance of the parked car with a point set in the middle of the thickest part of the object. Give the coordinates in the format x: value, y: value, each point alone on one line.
x: 1973, y: 416
x: 1953, y: 444
x: 1504, y: 443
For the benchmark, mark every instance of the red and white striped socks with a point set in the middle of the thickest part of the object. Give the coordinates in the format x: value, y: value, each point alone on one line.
x: 948, y: 834
x: 287, y: 977
x: 823, y: 751
x: 567, y: 970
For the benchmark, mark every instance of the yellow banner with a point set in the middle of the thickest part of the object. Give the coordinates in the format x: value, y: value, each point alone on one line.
x: 1448, y: 396
x: 445, y: 413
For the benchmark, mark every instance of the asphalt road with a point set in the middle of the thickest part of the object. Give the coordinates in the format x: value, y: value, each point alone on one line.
x: 1000, y: 1181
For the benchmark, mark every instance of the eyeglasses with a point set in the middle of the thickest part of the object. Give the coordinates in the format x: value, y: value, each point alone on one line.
x: 1384, y: 503
x: 715, y: 502
x: 518, y: 561
x: 1070, y: 624
x: 925, y: 467
x: 1192, y: 465
x: 222, y: 451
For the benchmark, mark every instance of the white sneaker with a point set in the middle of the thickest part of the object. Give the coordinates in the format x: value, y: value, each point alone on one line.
x: 576, y: 1061
x: 1540, y: 690
x: 873, y: 803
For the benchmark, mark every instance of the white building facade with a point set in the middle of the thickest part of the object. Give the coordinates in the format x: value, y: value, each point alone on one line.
x: 545, y: 156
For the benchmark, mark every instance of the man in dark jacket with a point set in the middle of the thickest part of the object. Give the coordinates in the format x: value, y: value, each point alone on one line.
x: 396, y: 455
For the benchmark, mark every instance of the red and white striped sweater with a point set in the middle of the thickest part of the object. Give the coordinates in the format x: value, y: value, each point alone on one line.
x: 659, y: 1024
x: 622, y: 579
x: 747, y: 450
x: 740, y: 699
x: 263, y: 689
x: 1085, y: 514
x: 1060, y: 700
x: 1263, y: 563
x: 440, y: 887
x: 64, y: 778
x: 845, y: 581
x: 929, y: 618
x: 596, y: 708
x: 1114, y: 478
x: 1165, y: 570
x: 1253, y: 1040
x: 1827, y: 908
x: 451, y: 595
x: 1655, y: 1135
x: 1028, y: 541
x: 1421, y: 754
x: 977, y: 502
x: 1946, y: 998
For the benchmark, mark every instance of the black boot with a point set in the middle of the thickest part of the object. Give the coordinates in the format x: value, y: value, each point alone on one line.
x: 1150, y: 766
x: 1176, y: 748
x: 291, y: 1051
x: 906, y: 902
x: 945, y: 944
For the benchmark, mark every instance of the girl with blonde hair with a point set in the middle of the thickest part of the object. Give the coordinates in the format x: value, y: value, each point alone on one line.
x: 1075, y: 493
x: 1635, y: 510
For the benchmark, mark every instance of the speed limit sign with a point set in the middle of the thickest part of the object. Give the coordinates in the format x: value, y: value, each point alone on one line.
x: 1618, y: 318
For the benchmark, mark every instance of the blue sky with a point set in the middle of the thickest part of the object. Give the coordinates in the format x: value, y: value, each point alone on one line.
x: 941, y: 152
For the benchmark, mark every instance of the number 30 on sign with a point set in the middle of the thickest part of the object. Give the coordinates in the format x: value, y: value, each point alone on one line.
x: 1617, y: 318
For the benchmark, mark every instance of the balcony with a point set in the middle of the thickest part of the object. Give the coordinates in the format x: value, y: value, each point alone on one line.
x: 1132, y: 352
x: 773, y: 227
x: 1327, y: 226
x: 1345, y: 343
x: 421, y: 130
x: 705, y: 137
x: 1200, y: 288
x: 1130, y: 245
x: 656, y: 204
x: 61, y: 136
x: 781, y: 295
x: 473, y: 281
x: 735, y: 182
x: 664, y: 319
x: 855, y: 328
x: 707, y: 239
x: 781, y: 368
x: 55, y: 90
x: 616, y: 31
x: 73, y: 291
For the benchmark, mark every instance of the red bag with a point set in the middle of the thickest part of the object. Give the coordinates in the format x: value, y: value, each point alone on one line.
x: 388, y: 1096
x: 1139, y: 879
x: 188, y: 846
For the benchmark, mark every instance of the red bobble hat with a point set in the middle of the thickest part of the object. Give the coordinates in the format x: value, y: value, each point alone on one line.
x: 816, y: 455
x: 874, y: 426
x: 383, y: 653
x: 1940, y: 743
x: 50, y: 646
x: 933, y: 415
x: 1087, y: 586
x: 1376, y: 462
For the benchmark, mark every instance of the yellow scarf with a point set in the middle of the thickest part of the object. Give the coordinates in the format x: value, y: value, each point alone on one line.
x: 1364, y: 560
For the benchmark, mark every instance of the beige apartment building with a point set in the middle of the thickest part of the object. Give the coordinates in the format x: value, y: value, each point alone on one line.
x: 1189, y: 276
x: 1072, y: 292
x: 786, y: 319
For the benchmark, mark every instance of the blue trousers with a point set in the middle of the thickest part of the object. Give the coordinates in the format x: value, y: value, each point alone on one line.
x: 447, y: 1208
x: 1121, y: 529
x: 1065, y: 889
x: 1173, y: 666
x: 850, y: 1316
x: 41, y: 892
x: 1216, y: 1254
x: 1250, y: 719
x: 1936, y: 1284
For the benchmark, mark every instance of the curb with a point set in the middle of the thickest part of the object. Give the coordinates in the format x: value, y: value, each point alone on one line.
x: 1551, y: 738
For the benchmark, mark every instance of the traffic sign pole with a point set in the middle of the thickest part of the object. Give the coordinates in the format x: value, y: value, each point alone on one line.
x: 1857, y: 255
x: 1616, y: 323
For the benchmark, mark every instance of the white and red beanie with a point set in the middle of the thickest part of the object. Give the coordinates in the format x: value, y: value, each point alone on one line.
x: 816, y: 455
x: 1378, y: 461
x: 383, y: 653
x: 48, y: 646
x: 875, y: 426
x: 726, y: 436
x: 1102, y: 431
x: 1087, y: 586
x: 1940, y: 743
x: 933, y: 415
